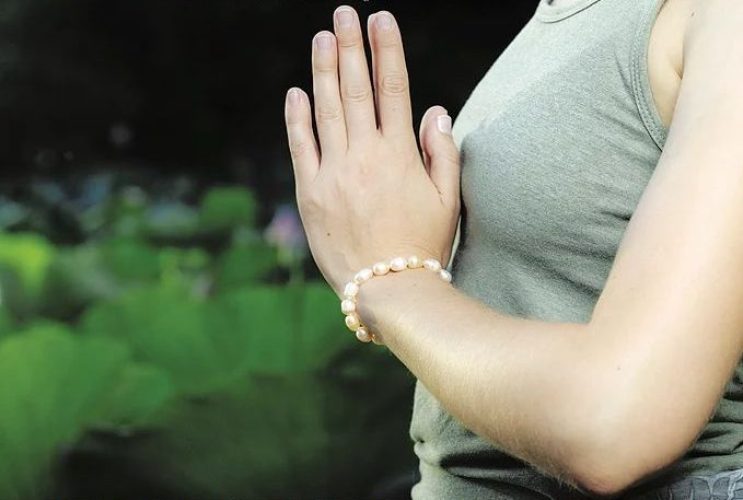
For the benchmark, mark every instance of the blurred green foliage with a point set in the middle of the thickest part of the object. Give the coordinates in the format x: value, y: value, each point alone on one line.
x: 192, y: 363
x: 227, y: 207
x: 24, y: 260
x: 238, y: 381
x: 51, y: 383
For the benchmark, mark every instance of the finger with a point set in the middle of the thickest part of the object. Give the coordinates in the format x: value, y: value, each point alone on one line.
x: 421, y: 138
x: 356, y: 90
x: 445, y: 164
x: 302, y: 144
x: 391, y: 79
x: 331, y: 125
x: 369, y: 24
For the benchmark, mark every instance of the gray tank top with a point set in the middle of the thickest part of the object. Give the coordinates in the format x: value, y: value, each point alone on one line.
x: 558, y: 141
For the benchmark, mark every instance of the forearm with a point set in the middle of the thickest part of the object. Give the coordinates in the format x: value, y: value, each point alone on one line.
x: 523, y: 384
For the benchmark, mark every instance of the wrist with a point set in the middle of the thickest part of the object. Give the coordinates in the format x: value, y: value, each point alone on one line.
x: 382, y: 300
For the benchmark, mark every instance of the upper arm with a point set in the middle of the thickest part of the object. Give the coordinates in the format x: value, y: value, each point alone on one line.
x: 668, y: 327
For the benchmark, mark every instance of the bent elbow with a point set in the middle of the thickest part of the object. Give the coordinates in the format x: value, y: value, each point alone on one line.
x: 602, y: 482
x: 617, y: 461
x: 602, y: 474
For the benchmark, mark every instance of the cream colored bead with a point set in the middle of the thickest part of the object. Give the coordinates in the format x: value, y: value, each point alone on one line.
x: 363, y: 335
x: 432, y: 265
x: 414, y: 262
x: 351, y: 290
x: 353, y: 322
x: 398, y: 264
x: 348, y: 306
x: 376, y: 339
x: 445, y: 275
x: 380, y: 268
x: 363, y: 275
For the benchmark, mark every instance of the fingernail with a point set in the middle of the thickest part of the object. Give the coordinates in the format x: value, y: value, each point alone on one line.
x: 384, y: 21
x: 344, y: 17
x: 443, y: 122
x: 293, y: 96
x: 323, y: 41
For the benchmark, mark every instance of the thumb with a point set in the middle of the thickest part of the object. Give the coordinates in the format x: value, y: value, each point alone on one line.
x: 438, y: 143
x: 422, y: 134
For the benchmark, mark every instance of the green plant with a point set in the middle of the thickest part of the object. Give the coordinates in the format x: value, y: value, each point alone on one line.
x: 224, y: 208
x: 185, y: 364
x: 51, y: 386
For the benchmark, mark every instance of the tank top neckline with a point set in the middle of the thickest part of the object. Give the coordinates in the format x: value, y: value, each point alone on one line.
x: 553, y: 13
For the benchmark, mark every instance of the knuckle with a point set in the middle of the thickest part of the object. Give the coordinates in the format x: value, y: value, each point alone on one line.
x: 298, y: 147
x: 357, y: 93
x: 309, y: 201
x: 394, y: 84
x: 450, y: 157
x: 313, y: 202
x: 367, y: 171
x: 327, y: 114
x: 325, y: 69
x: 349, y: 41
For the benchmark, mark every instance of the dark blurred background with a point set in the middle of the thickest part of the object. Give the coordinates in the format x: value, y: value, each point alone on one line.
x: 163, y: 330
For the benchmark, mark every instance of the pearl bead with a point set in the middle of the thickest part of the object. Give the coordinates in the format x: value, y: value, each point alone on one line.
x: 348, y: 306
x: 363, y: 275
x: 380, y: 268
x: 398, y: 264
x: 376, y: 339
x: 353, y: 322
x: 363, y: 335
x: 414, y: 262
x: 351, y: 289
x: 432, y: 265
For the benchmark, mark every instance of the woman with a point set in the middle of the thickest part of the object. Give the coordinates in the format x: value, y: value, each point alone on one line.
x: 558, y: 363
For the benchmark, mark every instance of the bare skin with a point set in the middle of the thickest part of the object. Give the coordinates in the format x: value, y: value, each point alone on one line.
x: 537, y: 389
x: 665, y: 55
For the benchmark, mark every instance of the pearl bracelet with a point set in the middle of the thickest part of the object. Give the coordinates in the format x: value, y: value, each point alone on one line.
x: 351, y: 291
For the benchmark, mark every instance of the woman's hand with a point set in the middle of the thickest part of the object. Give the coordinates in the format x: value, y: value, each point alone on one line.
x: 364, y: 194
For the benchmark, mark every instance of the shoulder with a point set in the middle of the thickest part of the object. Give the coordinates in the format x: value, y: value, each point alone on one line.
x: 714, y: 32
x: 701, y: 33
x: 713, y: 57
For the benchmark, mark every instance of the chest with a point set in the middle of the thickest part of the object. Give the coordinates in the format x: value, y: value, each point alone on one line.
x: 555, y: 156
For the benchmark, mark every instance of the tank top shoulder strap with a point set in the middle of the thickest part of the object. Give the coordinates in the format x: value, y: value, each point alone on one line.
x: 630, y: 23
x: 648, y: 13
x: 598, y: 43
